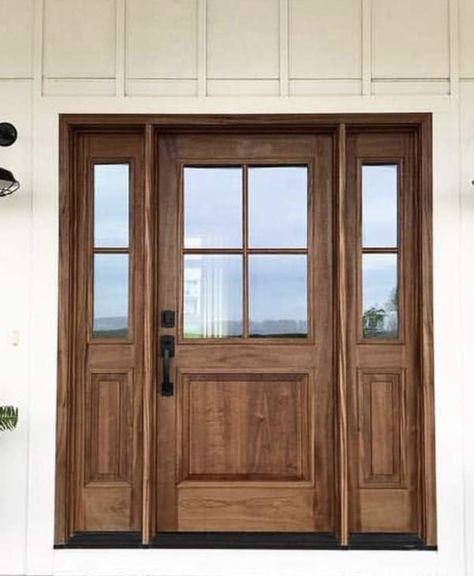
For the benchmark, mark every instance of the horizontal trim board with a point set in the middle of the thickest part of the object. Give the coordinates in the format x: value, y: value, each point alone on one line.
x: 79, y: 87
x: 410, y: 87
x: 260, y: 87
x: 246, y: 540
x: 161, y: 87
x: 327, y: 87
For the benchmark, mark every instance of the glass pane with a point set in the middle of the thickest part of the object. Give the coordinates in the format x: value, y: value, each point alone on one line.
x: 380, y: 296
x: 278, y: 296
x: 213, y: 207
x: 212, y: 296
x: 278, y: 199
x: 111, y: 193
x: 110, y: 296
x: 379, y: 206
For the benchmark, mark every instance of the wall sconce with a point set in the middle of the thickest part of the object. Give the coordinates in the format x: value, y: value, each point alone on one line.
x: 8, y: 183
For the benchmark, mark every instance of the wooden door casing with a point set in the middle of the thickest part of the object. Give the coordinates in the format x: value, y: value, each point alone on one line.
x: 106, y: 492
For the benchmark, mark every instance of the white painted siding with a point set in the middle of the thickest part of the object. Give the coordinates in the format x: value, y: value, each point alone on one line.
x: 226, y: 56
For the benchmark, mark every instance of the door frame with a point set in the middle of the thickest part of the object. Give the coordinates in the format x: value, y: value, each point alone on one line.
x: 339, y: 125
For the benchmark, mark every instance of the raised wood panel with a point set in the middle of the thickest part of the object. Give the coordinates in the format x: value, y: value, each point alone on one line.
x: 109, y: 430
x: 16, y: 39
x: 161, y: 39
x: 382, y: 428
x: 243, y: 39
x: 410, y: 39
x: 245, y: 426
x: 325, y: 39
x: 79, y: 39
x: 246, y: 509
x: 466, y: 10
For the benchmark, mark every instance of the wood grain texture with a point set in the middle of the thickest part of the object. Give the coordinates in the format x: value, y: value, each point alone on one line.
x: 122, y: 508
x: 109, y: 427
x: 245, y: 426
x: 385, y: 494
x: 382, y: 425
x: 246, y: 509
x: 341, y: 346
x: 242, y: 415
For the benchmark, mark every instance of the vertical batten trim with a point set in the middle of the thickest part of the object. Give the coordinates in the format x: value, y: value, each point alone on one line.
x: 148, y: 343
x: 366, y: 39
x: 38, y: 48
x: 284, y: 47
x: 341, y: 341
x: 120, y: 47
x: 453, y: 19
x: 201, y: 25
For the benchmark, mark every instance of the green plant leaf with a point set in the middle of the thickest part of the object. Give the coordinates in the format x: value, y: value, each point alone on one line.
x: 8, y: 418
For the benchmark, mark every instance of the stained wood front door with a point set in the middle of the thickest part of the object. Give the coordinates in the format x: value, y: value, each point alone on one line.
x: 245, y: 340
x: 245, y: 419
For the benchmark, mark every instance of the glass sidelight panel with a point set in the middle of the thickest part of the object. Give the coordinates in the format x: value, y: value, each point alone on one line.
x: 111, y: 205
x: 110, y: 296
x: 379, y: 206
x: 213, y: 207
x: 278, y: 296
x: 380, y: 295
x: 278, y: 199
x: 212, y: 296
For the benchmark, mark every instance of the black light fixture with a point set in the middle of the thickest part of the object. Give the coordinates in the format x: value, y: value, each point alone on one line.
x: 8, y: 183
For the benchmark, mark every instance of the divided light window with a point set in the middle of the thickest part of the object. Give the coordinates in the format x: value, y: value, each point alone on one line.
x: 380, y: 251
x: 245, y: 252
x: 111, y: 251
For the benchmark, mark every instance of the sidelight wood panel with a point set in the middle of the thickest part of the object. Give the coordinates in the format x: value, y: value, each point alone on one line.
x: 382, y: 425
x: 109, y: 427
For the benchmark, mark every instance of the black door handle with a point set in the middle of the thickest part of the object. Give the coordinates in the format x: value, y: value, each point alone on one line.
x: 167, y: 352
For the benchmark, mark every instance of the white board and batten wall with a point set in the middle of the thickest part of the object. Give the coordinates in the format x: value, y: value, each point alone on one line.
x: 216, y: 56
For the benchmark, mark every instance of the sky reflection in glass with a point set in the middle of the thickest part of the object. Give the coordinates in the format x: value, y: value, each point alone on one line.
x: 278, y: 201
x: 278, y: 295
x: 111, y: 205
x: 212, y: 207
x: 110, y: 304
x: 380, y: 296
x: 379, y: 206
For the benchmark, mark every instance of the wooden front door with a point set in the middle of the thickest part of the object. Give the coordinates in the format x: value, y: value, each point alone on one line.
x: 245, y: 403
x: 245, y: 341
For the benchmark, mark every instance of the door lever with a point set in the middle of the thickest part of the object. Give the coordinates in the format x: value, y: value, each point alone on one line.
x: 167, y: 352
